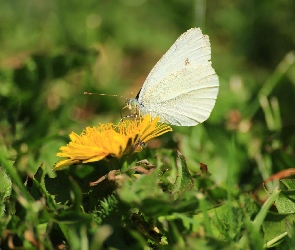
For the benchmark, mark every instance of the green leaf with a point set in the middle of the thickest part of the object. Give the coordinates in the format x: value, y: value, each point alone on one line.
x: 135, y: 191
x: 59, y: 187
x: 5, y: 184
x: 285, y: 202
x: 184, y: 180
x: 289, y: 183
x: 275, y: 228
x: 5, y: 192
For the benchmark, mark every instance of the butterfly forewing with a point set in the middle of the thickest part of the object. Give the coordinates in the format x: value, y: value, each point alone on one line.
x: 191, y: 48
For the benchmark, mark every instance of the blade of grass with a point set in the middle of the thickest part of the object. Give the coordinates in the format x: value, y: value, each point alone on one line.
x: 271, y: 82
x: 259, y: 219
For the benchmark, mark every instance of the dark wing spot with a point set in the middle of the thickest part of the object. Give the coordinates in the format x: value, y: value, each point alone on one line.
x: 186, y: 62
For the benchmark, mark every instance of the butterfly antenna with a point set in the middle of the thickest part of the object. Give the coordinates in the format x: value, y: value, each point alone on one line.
x: 127, y: 99
x: 90, y: 93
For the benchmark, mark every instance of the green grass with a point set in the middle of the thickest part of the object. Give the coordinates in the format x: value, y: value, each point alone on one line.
x: 50, y: 53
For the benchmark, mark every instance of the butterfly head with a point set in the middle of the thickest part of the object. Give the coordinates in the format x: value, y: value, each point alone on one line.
x: 132, y: 105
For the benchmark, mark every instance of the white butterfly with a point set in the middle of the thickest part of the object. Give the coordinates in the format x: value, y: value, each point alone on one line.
x: 182, y: 87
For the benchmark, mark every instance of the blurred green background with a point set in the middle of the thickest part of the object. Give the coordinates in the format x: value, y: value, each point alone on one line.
x: 53, y: 51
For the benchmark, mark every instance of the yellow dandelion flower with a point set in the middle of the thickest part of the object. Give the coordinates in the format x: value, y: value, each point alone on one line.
x: 109, y: 140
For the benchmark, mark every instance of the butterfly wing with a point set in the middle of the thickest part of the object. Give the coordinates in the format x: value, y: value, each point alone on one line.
x: 184, y: 98
x: 192, y: 48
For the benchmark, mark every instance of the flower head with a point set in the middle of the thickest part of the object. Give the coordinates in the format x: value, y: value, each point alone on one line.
x: 109, y: 140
